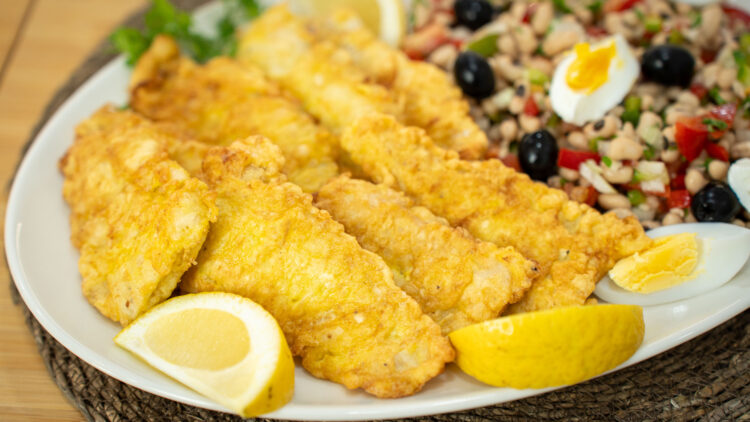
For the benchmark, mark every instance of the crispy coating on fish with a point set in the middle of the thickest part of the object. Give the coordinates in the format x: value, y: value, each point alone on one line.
x: 573, y: 243
x: 431, y: 100
x: 137, y: 217
x: 336, y: 302
x: 456, y: 279
x: 323, y: 76
x: 223, y: 101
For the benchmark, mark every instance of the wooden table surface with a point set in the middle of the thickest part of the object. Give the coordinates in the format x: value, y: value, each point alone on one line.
x: 41, y: 43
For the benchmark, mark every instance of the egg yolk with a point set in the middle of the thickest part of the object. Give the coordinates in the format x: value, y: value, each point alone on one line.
x: 590, y: 69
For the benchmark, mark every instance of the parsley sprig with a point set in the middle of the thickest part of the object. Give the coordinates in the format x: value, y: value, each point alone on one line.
x: 164, y: 18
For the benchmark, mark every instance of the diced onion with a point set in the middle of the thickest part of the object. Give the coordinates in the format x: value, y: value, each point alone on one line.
x: 591, y: 172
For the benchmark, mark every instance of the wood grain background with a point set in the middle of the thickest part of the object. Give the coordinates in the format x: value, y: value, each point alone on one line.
x: 41, y: 43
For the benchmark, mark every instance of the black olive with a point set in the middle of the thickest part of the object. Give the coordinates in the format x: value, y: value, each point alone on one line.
x: 474, y: 75
x: 715, y: 202
x: 668, y: 65
x: 472, y: 13
x: 538, y: 155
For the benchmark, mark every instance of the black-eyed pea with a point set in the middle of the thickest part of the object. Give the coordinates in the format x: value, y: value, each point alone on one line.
x: 650, y: 224
x: 517, y: 10
x: 689, y: 99
x: 539, y: 63
x: 624, y: 148
x: 647, y: 101
x: 668, y: 133
x: 529, y: 123
x: 503, y: 66
x: 694, y: 180
x: 622, y: 212
x: 578, y: 140
x: 717, y: 169
x: 738, y: 222
x: 617, y: 173
x: 710, y: 74
x: 542, y: 17
x: 671, y: 218
x: 740, y: 150
x: 584, y: 15
x: 669, y: 155
x: 627, y: 131
x: 660, y: 38
x: 738, y: 89
x: 489, y: 106
x: 444, y: 56
x: 603, y: 128
x: 525, y: 39
x: 727, y: 95
x: 690, y: 218
x: 568, y: 174
x: 711, y: 16
x: 507, y: 45
x: 559, y: 41
x: 676, y: 111
x: 611, y: 201
x: 508, y: 129
x: 728, y: 139
x: 726, y: 77
x: 648, y: 120
x: 554, y: 182
x: 652, y: 202
x: 517, y: 104
x: 547, y: 103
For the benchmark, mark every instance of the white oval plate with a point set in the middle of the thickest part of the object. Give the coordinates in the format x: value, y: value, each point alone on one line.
x: 43, y: 264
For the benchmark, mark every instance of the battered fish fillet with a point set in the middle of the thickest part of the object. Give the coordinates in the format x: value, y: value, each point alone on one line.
x: 224, y: 101
x: 456, y: 279
x: 336, y: 302
x: 573, y: 243
x: 322, y: 75
x: 137, y: 217
x: 431, y: 99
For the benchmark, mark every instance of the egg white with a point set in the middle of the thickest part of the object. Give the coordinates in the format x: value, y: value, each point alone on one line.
x: 724, y: 248
x: 739, y: 180
x: 580, y: 107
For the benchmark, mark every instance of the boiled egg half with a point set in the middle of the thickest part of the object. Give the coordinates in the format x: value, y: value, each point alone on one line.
x: 723, y: 250
x: 593, y: 79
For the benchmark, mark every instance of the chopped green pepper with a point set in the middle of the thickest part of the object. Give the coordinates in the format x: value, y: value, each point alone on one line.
x: 632, y: 111
x: 636, y: 197
x: 485, y: 46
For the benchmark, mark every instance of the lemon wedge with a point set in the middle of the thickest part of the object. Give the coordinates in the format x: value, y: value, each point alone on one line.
x: 549, y: 348
x: 386, y: 18
x: 221, y: 345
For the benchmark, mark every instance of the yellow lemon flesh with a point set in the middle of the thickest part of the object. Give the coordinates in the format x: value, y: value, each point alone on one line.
x: 221, y: 345
x: 590, y: 69
x: 670, y: 261
x: 549, y: 348
x: 385, y: 18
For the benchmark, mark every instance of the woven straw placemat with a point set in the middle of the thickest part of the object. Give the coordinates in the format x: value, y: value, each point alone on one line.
x: 707, y: 378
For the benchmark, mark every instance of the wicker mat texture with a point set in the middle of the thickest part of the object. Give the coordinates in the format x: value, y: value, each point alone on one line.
x: 705, y: 379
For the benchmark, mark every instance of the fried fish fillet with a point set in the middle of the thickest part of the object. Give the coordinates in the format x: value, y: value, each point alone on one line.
x: 456, y: 279
x: 573, y: 243
x: 431, y: 100
x: 137, y: 217
x: 336, y: 302
x: 224, y: 101
x: 322, y: 75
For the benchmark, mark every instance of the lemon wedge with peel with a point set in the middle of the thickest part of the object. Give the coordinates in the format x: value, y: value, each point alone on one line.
x: 385, y: 18
x: 221, y: 345
x: 549, y: 348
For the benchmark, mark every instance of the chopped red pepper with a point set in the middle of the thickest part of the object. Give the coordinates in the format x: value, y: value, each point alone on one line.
x: 678, y: 182
x: 420, y: 44
x: 725, y: 112
x: 678, y: 199
x: 530, y: 108
x: 736, y: 14
x: 596, y: 31
x: 511, y: 160
x: 699, y: 90
x: 572, y: 159
x: 708, y: 56
x: 530, y: 9
x: 717, y: 151
x: 690, y: 135
x: 618, y: 5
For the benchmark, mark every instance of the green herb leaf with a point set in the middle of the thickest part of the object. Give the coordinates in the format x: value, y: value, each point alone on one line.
x: 714, y: 125
x: 652, y: 24
x: 695, y: 18
x: 561, y: 6
x: 485, y: 46
x: 595, y: 7
x: 713, y: 93
x: 649, y: 152
x: 164, y: 18
x: 676, y: 37
x: 607, y: 161
x: 636, y: 197
x: 537, y: 77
